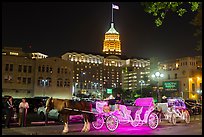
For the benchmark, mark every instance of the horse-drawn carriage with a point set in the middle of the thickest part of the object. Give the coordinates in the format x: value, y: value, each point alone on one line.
x: 121, y: 115
x: 173, y: 110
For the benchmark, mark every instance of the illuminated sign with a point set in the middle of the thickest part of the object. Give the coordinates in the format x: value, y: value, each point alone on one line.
x: 14, y: 53
x: 171, y: 85
x: 109, y: 91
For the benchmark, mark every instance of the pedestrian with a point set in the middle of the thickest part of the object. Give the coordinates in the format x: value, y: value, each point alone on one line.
x: 111, y: 102
x: 118, y: 100
x: 23, y: 108
x: 9, y: 111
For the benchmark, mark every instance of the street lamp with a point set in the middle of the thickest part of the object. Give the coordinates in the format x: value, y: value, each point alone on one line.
x: 44, y: 81
x: 82, y: 79
x: 158, y: 75
x: 141, y: 83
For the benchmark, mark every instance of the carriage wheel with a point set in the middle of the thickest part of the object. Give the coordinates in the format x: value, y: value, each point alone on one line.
x: 153, y: 120
x: 98, y: 123
x: 187, y: 117
x: 173, y: 119
x: 112, y: 123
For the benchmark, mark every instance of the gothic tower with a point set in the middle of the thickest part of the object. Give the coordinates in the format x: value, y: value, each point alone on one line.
x: 111, y: 44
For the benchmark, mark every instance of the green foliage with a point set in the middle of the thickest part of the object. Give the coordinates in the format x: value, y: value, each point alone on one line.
x: 160, y: 9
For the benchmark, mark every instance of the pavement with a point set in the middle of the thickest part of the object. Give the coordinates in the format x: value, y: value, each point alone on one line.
x: 164, y: 128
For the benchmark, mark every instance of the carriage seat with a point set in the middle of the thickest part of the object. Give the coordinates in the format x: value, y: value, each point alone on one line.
x: 100, y: 106
x: 124, y: 110
x: 163, y: 107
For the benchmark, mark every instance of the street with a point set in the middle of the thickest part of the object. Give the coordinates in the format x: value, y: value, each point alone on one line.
x: 164, y: 128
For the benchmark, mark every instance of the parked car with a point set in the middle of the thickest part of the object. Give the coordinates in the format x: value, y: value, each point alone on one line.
x: 193, y: 107
x: 128, y: 102
x: 53, y: 114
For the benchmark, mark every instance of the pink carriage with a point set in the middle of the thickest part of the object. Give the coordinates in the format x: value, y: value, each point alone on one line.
x: 123, y: 116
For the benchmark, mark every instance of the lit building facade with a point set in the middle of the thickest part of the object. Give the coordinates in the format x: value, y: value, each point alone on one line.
x: 187, y: 72
x: 18, y: 71
x: 136, y: 70
x: 23, y: 76
x: 112, y: 44
x: 112, y: 72
x: 53, y: 78
x: 87, y: 72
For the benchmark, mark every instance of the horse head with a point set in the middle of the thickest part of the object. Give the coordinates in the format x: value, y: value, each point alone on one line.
x: 49, y: 104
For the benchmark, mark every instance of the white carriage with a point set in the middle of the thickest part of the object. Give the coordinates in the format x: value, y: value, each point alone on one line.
x: 174, y: 110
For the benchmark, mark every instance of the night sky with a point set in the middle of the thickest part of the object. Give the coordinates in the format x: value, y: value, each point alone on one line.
x: 56, y: 28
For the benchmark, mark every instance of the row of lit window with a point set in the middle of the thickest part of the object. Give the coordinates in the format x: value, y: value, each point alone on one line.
x: 50, y: 70
x: 21, y: 68
x: 48, y: 82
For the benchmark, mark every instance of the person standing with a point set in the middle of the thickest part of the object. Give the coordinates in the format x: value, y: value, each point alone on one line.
x: 9, y: 111
x: 23, y: 107
x: 118, y: 100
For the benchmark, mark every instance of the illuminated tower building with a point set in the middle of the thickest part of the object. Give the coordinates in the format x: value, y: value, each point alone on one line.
x: 111, y: 44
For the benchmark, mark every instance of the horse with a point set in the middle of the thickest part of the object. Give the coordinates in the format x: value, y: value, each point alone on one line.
x: 62, y: 104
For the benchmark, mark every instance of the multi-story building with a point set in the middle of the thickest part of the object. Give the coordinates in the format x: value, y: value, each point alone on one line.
x: 23, y: 76
x: 87, y: 71
x: 183, y: 77
x: 135, y: 71
x: 18, y: 71
x: 53, y: 78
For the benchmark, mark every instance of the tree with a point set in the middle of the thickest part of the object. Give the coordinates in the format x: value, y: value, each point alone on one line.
x: 197, y: 22
x: 160, y: 9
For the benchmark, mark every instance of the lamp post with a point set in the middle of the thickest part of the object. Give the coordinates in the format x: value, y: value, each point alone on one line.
x: 44, y: 81
x: 82, y: 79
x: 158, y: 75
x: 141, y: 83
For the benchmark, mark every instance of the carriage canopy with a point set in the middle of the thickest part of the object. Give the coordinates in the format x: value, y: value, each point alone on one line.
x: 148, y: 101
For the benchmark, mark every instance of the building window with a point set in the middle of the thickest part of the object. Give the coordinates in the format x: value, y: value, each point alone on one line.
x: 39, y: 80
x: 39, y: 68
x: 175, y: 75
x: 193, y: 87
x: 66, y: 83
x: 59, y: 82
x: 24, y: 80
x: 62, y: 70
x: 29, y: 69
x: 19, y: 68
x: 58, y: 70
x: 168, y: 76
x: 29, y: 80
x: 49, y: 81
x: 50, y: 69
x: 65, y: 70
x: 47, y: 69
x: 11, y: 67
x: 19, y: 80
x: 24, y: 68
x: 200, y: 86
x: 43, y: 68
x: 7, y: 67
